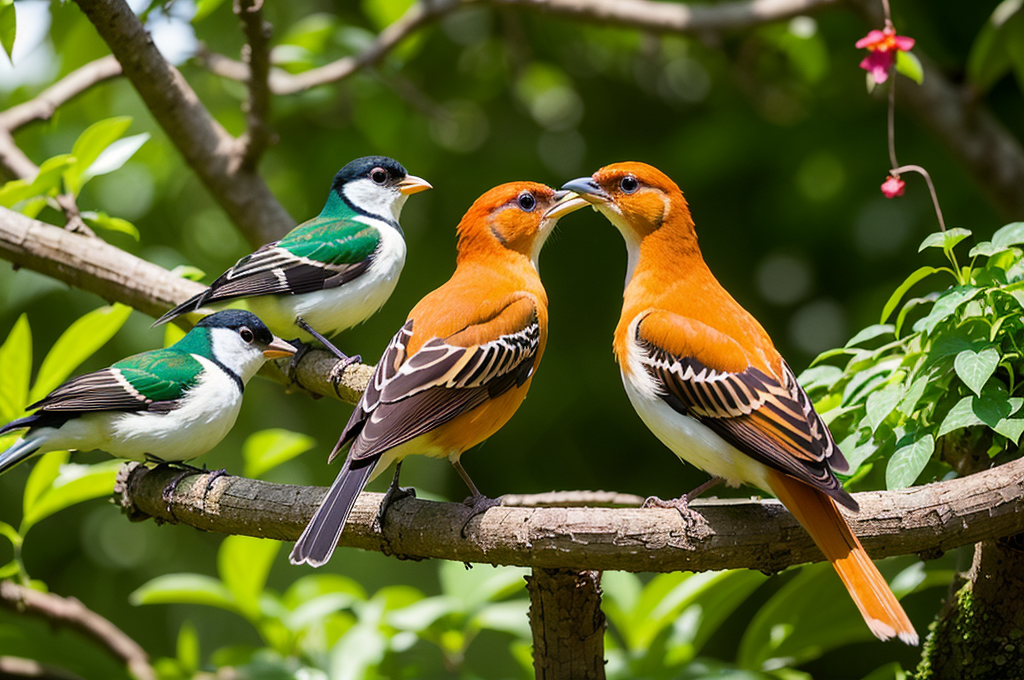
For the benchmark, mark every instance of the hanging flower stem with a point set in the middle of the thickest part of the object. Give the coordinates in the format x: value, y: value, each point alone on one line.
x: 931, y: 187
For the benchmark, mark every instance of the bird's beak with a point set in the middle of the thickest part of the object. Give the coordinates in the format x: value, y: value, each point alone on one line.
x: 413, y: 185
x: 279, y: 348
x: 589, y: 190
x: 565, y: 203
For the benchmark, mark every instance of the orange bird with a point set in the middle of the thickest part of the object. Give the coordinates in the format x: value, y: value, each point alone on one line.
x: 707, y: 380
x: 462, y: 363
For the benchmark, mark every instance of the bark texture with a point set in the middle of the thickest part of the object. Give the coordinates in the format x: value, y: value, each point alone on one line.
x: 568, y: 624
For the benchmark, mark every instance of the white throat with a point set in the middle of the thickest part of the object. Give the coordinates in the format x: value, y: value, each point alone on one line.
x: 239, y: 357
x: 628, y: 235
x: 380, y: 201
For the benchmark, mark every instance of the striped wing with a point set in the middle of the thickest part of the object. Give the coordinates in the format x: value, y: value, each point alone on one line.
x: 154, y: 381
x: 769, y: 418
x: 411, y: 395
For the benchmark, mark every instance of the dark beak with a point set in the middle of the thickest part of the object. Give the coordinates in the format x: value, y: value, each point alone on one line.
x: 588, y: 190
x: 279, y: 348
x: 565, y: 203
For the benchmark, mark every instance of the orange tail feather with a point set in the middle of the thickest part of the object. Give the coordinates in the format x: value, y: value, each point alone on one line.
x: 872, y: 595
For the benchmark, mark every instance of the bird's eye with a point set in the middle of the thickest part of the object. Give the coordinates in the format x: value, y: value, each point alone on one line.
x: 526, y: 202
x: 629, y: 184
x: 246, y: 334
x: 379, y: 175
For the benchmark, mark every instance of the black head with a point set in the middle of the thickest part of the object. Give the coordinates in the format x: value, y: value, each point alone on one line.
x: 236, y: 320
x: 379, y: 169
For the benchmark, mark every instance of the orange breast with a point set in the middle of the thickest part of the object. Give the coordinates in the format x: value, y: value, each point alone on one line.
x: 470, y: 429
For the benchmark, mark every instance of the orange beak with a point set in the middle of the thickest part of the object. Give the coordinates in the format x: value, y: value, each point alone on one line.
x: 413, y: 185
x: 279, y: 348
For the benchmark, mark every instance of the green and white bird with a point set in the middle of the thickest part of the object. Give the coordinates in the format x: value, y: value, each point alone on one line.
x: 332, y: 272
x: 167, y: 405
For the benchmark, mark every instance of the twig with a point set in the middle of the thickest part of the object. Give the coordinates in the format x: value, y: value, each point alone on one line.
x: 72, y: 613
x: 214, y: 155
x: 256, y: 55
x: 95, y: 266
x: 43, y: 105
x: 925, y: 520
x: 931, y: 187
x: 16, y: 667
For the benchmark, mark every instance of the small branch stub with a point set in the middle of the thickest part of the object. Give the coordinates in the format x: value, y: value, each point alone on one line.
x: 568, y: 624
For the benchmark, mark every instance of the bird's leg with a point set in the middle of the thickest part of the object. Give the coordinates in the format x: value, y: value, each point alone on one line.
x: 186, y: 471
x: 682, y: 504
x: 478, y: 502
x: 301, y: 349
x: 394, y: 493
x: 346, y: 360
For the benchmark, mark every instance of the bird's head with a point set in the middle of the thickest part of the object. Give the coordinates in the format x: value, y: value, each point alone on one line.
x: 637, y: 198
x: 517, y: 216
x: 237, y: 339
x: 377, y: 186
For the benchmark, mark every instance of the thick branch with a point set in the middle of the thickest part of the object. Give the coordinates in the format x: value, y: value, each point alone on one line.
x: 925, y: 520
x: 257, y: 57
x: 214, y: 155
x: 568, y: 624
x: 72, y: 613
x: 95, y: 266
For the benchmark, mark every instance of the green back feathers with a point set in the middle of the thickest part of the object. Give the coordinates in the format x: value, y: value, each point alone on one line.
x: 333, y: 237
x: 163, y: 374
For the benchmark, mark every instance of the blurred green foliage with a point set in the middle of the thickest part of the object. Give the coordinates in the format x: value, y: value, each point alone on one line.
x: 780, y: 152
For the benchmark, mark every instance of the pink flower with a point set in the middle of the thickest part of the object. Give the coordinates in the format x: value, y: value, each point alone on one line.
x: 893, y: 186
x: 883, y: 46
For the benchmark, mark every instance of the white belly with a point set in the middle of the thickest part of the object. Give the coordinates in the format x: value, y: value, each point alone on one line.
x: 694, y: 442
x: 200, y: 423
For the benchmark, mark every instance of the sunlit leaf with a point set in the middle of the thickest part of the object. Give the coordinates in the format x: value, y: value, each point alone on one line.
x: 975, y: 368
x: 88, y: 147
x: 43, y: 474
x: 1010, y: 235
x: 79, y: 342
x: 184, y: 589
x: 244, y: 563
x: 421, y: 615
x: 47, y: 180
x: 204, y: 8
x: 870, y: 333
x: 115, y: 156
x: 101, y: 220
x: 10, y: 569
x: 909, y: 65
x: 509, y: 617
x: 944, y: 239
x: 75, y: 484
x: 10, y: 533
x: 946, y: 305
x: 15, y: 369
x: 907, y: 284
x: 481, y: 584
x: 8, y: 27
x: 266, y: 449
x: 989, y: 59
x: 881, y: 403
x: 188, y: 648
x: 907, y: 463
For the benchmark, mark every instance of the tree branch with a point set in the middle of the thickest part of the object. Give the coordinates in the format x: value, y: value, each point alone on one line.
x: 925, y: 520
x: 95, y: 266
x: 256, y: 54
x: 214, y: 155
x: 72, y: 613
x: 46, y: 103
x: 15, y: 667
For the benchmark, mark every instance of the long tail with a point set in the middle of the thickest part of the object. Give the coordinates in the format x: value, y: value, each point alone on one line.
x: 20, y: 450
x: 319, y: 538
x: 186, y: 307
x: 872, y: 595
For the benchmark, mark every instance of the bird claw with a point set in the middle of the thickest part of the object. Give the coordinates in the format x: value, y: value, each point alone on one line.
x: 394, y: 493
x: 691, y: 518
x: 479, y: 505
x: 339, y: 368
x: 301, y: 349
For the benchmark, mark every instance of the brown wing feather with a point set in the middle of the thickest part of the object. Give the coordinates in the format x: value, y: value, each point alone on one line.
x: 412, y: 395
x: 710, y: 377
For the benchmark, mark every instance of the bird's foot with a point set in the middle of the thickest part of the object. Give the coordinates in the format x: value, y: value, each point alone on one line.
x: 301, y: 349
x: 394, y: 493
x: 186, y: 471
x: 339, y: 368
x: 691, y: 518
x: 479, y: 504
x: 214, y: 476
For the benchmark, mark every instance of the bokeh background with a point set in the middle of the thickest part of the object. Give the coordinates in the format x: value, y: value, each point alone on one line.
x: 770, y: 133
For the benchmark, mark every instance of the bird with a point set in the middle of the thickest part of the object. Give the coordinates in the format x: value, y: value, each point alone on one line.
x: 165, y: 406
x: 330, y: 273
x: 706, y: 379
x: 461, y: 364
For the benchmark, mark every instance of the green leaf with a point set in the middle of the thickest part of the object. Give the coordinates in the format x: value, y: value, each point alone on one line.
x: 870, y: 333
x: 101, y: 220
x: 975, y: 368
x: 79, y: 342
x: 477, y: 586
x: 184, y: 589
x: 189, y: 272
x: 511, y: 617
x: 204, y: 8
x: 42, y: 477
x: 881, y: 403
x: 115, y: 156
x: 986, y: 249
x: 909, y: 65
x: 945, y: 239
x: 8, y: 27
x: 244, y: 564
x: 45, y: 182
x: 10, y: 569
x: 907, y: 284
x: 188, y: 649
x: 946, y: 305
x: 88, y: 147
x: 989, y: 59
x: 855, y: 453
x: 907, y: 462
x: 10, y: 533
x: 266, y: 449
x: 1010, y: 235
x: 15, y: 370
x: 961, y: 415
x: 75, y: 484
x: 419, y: 616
